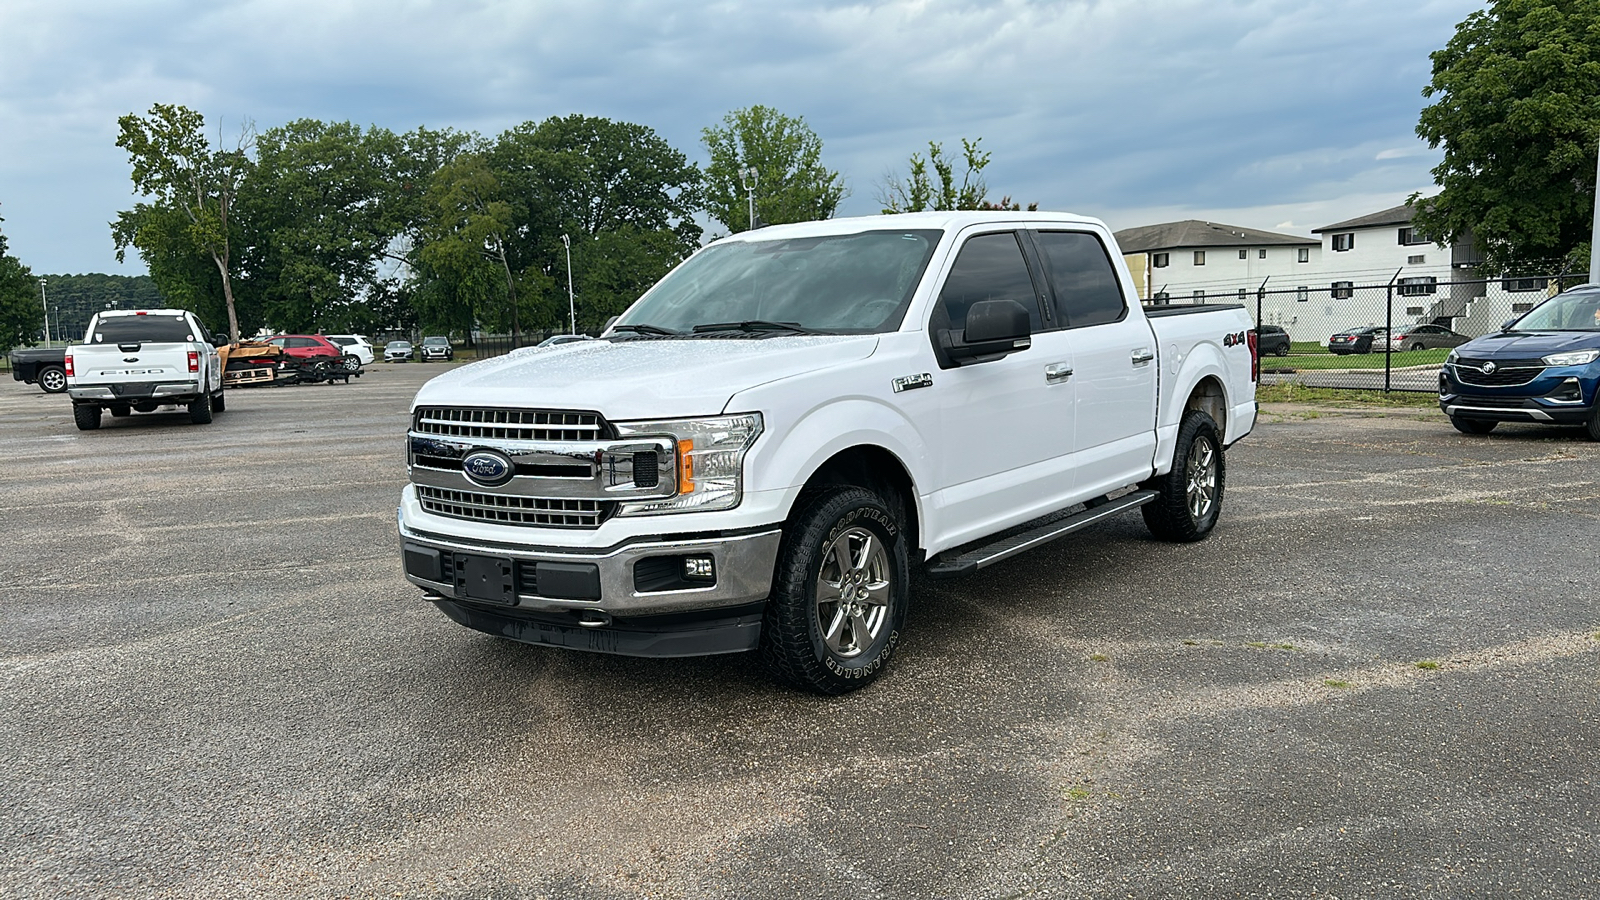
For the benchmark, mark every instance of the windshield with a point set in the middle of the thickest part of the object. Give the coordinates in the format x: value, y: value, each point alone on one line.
x: 435, y: 342
x: 1577, y: 311
x: 343, y: 341
x: 141, y: 329
x: 843, y: 284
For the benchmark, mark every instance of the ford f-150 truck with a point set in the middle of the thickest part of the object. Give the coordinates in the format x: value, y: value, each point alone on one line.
x: 142, y: 360
x: 759, y: 450
x: 1543, y: 368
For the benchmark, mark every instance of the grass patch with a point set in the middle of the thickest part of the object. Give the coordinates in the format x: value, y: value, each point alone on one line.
x: 1075, y: 793
x: 1263, y: 645
x: 1335, y: 683
x: 1289, y: 392
x: 1098, y: 657
x: 1427, y: 664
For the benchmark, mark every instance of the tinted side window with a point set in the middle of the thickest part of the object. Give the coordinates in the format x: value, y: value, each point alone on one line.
x: 1082, y: 278
x: 989, y: 267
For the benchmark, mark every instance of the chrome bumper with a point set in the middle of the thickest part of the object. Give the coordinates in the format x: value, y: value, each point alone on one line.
x: 744, y: 567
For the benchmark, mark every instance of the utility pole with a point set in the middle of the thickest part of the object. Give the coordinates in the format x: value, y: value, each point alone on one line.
x: 748, y: 177
x: 1594, y: 236
x: 572, y: 305
x: 46, y: 300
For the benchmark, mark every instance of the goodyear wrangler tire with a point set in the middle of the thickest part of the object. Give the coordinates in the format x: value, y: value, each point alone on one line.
x: 1191, y: 494
x: 839, y: 597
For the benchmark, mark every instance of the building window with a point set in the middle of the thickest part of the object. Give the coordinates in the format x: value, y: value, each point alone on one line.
x: 1523, y: 285
x: 1343, y: 242
x: 1413, y: 310
x: 1417, y: 287
x: 1343, y: 290
x: 1521, y: 307
x: 1199, y: 296
x: 1409, y: 237
x: 1159, y: 260
x: 1244, y: 254
x: 1241, y: 295
x: 1417, y: 260
x: 1302, y: 293
x: 1262, y: 253
x: 1199, y: 257
x: 1305, y: 254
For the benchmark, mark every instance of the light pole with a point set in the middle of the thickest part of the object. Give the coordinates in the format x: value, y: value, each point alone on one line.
x: 572, y: 306
x: 749, y: 177
x: 46, y: 301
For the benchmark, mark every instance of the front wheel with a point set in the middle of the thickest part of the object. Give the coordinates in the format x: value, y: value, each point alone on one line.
x: 1592, y: 427
x: 52, y: 379
x: 1189, y: 496
x: 1472, y: 426
x: 840, y: 593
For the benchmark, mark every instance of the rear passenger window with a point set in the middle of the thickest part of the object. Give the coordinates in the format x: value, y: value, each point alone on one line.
x: 1081, y: 276
x: 989, y: 267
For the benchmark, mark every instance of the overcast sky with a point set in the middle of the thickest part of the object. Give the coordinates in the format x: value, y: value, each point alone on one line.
x: 1277, y: 114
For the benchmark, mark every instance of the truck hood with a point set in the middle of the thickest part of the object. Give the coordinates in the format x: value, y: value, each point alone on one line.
x: 640, y: 379
x: 1527, y: 344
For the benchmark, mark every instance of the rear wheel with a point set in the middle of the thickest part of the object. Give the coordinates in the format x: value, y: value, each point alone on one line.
x: 1282, y: 351
x: 1419, y: 346
x: 52, y: 379
x: 1472, y: 426
x: 86, y: 416
x: 200, y: 410
x: 839, y: 599
x: 1190, y: 495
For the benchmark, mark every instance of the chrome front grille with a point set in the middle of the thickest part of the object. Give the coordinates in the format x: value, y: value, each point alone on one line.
x: 509, y: 424
x: 504, y: 509
x: 1509, y: 373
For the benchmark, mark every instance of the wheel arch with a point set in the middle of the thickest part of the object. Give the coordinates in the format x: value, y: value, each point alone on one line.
x: 1211, y: 398
x: 873, y: 467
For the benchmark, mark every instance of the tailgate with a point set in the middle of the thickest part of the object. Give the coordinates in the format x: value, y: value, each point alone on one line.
x: 131, y: 363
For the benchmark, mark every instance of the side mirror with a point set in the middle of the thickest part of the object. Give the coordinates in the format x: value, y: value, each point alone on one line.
x: 1506, y: 326
x: 218, y: 340
x: 995, y: 329
x: 609, y: 322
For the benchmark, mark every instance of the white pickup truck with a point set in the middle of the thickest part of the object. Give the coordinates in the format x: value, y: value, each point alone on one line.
x: 143, y: 360
x: 756, y: 454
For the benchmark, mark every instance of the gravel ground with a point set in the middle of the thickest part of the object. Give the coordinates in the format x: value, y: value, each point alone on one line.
x: 1378, y: 678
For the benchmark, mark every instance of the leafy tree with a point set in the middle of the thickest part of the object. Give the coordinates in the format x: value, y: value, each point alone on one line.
x: 174, y: 165
x: 74, y: 298
x: 463, y: 247
x: 918, y: 191
x: 1517, y: 111
x: 21, y: 309
x: 791, y: 183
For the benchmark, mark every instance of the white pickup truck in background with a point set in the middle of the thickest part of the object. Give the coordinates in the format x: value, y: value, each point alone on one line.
x: 757, y: 452
x: 143, y: 360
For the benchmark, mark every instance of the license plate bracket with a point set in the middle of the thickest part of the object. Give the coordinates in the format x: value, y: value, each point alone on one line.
x: 487, y: 578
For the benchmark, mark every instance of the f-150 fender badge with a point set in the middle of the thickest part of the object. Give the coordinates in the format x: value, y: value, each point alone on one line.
x: 912, y: 382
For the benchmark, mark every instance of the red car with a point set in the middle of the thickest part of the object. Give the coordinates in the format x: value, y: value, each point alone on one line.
x: 306, y: 346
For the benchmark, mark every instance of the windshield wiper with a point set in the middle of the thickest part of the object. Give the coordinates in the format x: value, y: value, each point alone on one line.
x: 755, y: 325
x: 644, y: 329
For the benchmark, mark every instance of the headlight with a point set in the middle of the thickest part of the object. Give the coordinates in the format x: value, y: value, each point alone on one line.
x: 710, y: 465
x: 1574, y: 358
x: 1451, y: 357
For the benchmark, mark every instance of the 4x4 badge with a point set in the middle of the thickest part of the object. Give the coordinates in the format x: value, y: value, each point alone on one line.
x: 1488, y: 367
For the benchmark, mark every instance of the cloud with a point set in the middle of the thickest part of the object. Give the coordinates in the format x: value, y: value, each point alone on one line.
x: 1095, y: 106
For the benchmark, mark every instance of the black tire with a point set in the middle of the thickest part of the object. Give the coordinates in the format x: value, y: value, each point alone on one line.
x: 1190, y: 496
x: 1592, y: 427
x: 1419, y: 346
x: 350, y: 363
x: 219, y: 403
x: 1472, y: 426
x: 52, y: 379
x: 118, y: 412
x: 849, y: 650
x: 1282, y: 351
x: 87, y: 416
x: 200, y: 410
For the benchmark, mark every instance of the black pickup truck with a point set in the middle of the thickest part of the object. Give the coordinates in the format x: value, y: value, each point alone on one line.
x: 45, y: 367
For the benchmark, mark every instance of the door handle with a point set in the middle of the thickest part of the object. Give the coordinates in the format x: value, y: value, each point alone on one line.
x: 1142, y: 356
x: 1055, y: 373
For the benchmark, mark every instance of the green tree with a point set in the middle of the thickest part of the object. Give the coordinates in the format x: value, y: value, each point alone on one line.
x: 175, y: 166
x: 791, y: 183
x: 1517, y: 111
x: 74, y: 298
x: 21, y: 309
x: 463, y: 247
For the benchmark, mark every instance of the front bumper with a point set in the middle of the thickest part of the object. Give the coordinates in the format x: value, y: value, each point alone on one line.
x: 1556, y: 396
x: 629, y: 599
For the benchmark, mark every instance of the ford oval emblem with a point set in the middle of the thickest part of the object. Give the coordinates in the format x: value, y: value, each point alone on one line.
x: 489, y: 468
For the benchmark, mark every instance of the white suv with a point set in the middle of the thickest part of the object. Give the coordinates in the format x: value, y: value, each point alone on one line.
x: 356, y: 345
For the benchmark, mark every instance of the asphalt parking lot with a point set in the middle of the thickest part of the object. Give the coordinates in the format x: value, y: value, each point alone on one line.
x: 1378, y: 678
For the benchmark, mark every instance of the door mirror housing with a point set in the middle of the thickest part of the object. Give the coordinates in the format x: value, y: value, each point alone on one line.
x: 995, y: 329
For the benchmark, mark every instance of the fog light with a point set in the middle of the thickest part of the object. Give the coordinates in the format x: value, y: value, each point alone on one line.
x: 699, y: 568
